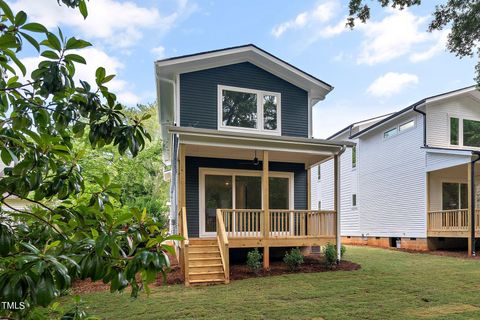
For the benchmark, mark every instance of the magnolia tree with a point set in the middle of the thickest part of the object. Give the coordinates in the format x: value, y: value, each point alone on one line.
x: 59, y: 238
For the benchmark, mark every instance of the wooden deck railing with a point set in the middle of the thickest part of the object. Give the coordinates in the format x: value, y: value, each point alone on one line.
x: 451, y: 222
x: 249, y: 223
x: 184, y: 244
x: 223, y: 245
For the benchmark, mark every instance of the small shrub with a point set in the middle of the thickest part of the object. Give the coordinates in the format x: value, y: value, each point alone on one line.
x: 254, y: 260
x: 293, y: 259
x: 330, y: 252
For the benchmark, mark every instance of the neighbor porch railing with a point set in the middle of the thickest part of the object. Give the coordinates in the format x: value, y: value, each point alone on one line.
x: 249, y: 223
x: 456, y: 221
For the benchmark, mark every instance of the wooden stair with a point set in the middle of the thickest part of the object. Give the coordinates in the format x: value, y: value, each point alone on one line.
x: 204, y: 262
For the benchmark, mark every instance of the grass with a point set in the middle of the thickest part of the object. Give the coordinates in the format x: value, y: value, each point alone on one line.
x: 390, y: 285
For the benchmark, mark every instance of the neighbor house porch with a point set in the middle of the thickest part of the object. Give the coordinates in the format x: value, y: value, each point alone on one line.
x: 247, y: 191
x: 451, y: 191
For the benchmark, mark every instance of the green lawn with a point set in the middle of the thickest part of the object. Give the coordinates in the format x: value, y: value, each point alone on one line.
x: 390, y: 285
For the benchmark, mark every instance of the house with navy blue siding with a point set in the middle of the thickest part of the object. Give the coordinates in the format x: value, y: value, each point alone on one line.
x: 236, y: 127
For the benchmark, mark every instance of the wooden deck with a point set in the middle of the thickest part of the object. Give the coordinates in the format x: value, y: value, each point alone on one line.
x: 201, y: 258
x: 451, y: 223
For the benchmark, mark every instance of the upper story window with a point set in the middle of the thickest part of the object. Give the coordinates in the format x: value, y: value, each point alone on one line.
x: 399, y: 129
x: 464, y: 132
x: 354, y: 157
x: 242, y: 109
x: 319, y: 172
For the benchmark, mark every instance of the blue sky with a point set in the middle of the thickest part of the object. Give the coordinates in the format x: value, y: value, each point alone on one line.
x: 378, y: 68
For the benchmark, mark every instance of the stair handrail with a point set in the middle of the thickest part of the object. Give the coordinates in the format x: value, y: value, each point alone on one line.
x: 223, y: 245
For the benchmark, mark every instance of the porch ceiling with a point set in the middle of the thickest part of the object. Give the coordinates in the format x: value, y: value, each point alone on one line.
x: 229, y: 145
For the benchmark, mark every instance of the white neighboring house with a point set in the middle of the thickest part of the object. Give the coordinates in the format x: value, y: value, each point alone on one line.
x: 407, y: 182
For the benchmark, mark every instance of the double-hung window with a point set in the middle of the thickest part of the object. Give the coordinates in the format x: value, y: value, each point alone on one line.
x: 251, y: 110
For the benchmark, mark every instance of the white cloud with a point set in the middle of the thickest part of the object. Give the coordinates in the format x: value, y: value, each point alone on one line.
x: 96, y: 58
x: 391, y: 37
x: 119, y: 23
x: 438, y: 47
x: 159, y: 52
x: 320, y: 14
x: 391, y: 83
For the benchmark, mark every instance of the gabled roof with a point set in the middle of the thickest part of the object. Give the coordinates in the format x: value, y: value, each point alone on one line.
x: 168, y: 68
x: 416, y: 105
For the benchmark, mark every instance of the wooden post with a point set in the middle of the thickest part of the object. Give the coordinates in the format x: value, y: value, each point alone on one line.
x: 309, y: 188
x: 470, y: 242
x: 266, y: 214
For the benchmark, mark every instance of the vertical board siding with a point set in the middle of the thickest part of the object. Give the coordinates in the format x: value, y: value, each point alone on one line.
x: 198, y: 96
x: 192, y: 183
x: 438, y: 126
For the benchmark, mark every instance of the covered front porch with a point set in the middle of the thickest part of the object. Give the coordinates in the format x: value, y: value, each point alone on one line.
x: 247, y: 191
x: 452, y: 200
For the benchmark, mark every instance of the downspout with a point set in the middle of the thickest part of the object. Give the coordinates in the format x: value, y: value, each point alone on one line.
x: 424, y: 122
x: 472, y: 200
x: 339, y: 237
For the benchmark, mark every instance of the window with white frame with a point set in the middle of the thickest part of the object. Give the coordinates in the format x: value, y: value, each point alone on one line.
x: 354, y: 157
x: 319, y: 172
x: 399, y: 129
x: 249, y: 110
x: 354, y: 200
x: 319, y: 205
x: 464, y: 132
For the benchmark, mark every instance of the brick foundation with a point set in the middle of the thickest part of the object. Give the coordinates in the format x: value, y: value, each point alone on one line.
x: 419, y: 244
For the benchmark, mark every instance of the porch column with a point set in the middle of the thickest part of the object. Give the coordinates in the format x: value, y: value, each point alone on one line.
x: 266, y: 215
x: 471, y: 207
x: 336, y: 199
x: 181, y: 187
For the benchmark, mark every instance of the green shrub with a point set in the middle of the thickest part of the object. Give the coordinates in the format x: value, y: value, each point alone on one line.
x: 293, y: 259
x: 254, y: 260
x: 330, y: 252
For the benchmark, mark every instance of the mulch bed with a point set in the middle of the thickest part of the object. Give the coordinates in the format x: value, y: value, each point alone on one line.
x: 311, y: 264
x: 442, y: 253
x: 237, y: 272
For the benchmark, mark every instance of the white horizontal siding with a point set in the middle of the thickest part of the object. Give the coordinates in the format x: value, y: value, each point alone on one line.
x: 438, y: 127
x: 437, y: 161
x: 392, y: 188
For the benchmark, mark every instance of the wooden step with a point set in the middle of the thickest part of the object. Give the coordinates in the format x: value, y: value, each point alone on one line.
x: 192, y: 262
x: 194, y: 255
x: 206, y: 276
x: 206, y: 268
x: 207, y: 281
x: 200, y: 241
x: 203, y: 249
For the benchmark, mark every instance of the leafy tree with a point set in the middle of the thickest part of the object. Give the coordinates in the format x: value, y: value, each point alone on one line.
x: 462, y: 16
x: 61, y: 238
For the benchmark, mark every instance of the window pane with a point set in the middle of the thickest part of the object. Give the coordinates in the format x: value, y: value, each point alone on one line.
x: 464, y: 196
x: 239, y: 109
x: 279, y: 194
x: 319, y: 205
x: 218, y: 195
x: 354, y: 200
x: 390, y: 133
x: 471, y: 133
x: 407, y: 125
x: 450, y: 196
x: 319, y: 172
x: 354, y: 157
x: 248, y: 192
x: 270, y: 112
x: 454, y: 131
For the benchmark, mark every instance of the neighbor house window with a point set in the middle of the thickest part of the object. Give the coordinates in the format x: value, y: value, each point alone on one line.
x: 454, y: 196
x: 390, y: 133
x: 354, y: 200
x: 354, y: 157
x: 406, y: 125
x: 454, y: 129
x: 319, y: 205
x: 471, y: 133
x: 319, y: 173
x: 247, y: 109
